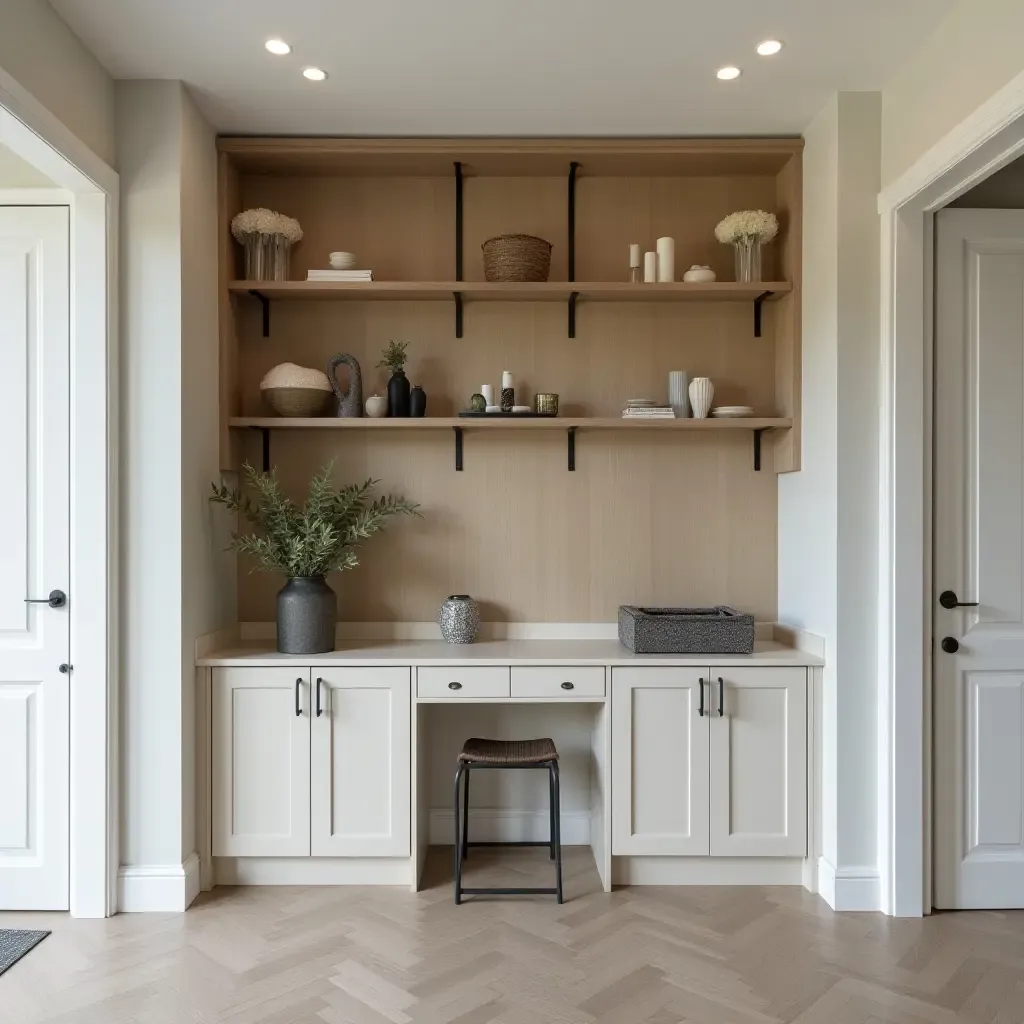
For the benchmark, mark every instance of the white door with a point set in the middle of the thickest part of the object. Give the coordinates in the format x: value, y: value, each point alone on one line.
x: 360, y: 765
x: 758, y: 762
x: 660, y: 763
x: 261, y: 762
x: 979, y: 556
x: 34, y: 560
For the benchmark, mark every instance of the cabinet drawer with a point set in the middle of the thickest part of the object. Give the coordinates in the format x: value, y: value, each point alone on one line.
x: 460, y: 682
x: 541, y: 681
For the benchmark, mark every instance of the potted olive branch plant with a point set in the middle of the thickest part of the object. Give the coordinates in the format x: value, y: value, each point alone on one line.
x: 393, y: 358
x: 305, y: 544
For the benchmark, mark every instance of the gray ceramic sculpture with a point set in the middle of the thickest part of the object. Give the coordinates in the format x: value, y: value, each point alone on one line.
x: 350, y: 402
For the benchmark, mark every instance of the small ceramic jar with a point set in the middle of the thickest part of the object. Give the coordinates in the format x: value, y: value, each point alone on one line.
x: 698, y: 274
x: 376, y: 406
x: 459, y: 619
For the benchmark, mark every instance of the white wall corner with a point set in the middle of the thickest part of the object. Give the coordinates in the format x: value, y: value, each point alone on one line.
x: 809, y: 874
x: 152, y: 888
x: 849, y: 889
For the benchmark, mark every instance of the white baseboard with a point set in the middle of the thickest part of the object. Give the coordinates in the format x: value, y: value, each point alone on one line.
x: 854, y: 888
x: 149, y: 888
x: 315, y: 871
x: 496, y: 825
x: 707, y: 871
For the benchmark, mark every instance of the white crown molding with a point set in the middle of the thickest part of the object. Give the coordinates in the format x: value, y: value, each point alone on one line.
x: 149, y: 888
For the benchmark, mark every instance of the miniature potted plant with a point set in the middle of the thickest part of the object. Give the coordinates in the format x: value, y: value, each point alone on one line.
x: 394, y: 357
x: 305, y: 544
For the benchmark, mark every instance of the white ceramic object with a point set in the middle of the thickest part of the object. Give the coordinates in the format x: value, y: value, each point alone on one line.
x: 521, y: 408
x: 493, y: 408
x: 733, y: 412
x: 487, y: 390
x: 677, y: 394
x: 342, y: 260
x: 377, y: 406
x: 699, y: 274
x: 666, y: 247
x: 702, y: 392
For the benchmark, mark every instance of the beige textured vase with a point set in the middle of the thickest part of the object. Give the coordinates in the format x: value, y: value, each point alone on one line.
x: 702, y: 391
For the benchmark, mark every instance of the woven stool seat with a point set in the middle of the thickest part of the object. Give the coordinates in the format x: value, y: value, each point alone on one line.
x: 510, y: 752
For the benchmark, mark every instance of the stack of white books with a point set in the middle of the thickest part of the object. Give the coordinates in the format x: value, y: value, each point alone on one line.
x: 645, y: 409
x: 339, y: 275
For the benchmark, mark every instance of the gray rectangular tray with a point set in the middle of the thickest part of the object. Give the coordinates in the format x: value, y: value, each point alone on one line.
x: 718, y: 630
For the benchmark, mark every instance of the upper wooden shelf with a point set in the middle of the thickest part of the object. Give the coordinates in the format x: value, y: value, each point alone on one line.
x: 546, y: 291
x: 505, y: 423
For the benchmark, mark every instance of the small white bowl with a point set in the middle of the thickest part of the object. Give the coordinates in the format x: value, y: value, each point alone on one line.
x: 342, y: 260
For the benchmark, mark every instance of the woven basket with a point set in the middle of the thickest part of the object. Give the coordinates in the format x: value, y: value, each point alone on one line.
x: 516, y: 258
x: 296, y: 401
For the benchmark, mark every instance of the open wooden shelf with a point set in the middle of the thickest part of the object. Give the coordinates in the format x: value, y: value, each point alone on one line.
x: 504, y: 423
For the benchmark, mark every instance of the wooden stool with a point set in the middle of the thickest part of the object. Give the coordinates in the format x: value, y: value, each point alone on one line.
x: 479, y: 753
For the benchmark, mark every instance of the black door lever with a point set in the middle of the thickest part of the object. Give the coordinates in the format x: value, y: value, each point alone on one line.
x: 948, y: 599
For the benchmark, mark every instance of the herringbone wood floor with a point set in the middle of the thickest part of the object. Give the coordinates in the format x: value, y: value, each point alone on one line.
x: 661, y: 956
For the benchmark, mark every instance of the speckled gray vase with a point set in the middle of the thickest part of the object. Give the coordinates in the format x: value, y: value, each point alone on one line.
x: 349, y: 402
x: 459, y: 619
x: 307, y: 609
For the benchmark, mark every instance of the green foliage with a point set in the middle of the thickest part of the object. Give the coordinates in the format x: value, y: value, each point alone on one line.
x: 394, y: 356
x: 318, y: 538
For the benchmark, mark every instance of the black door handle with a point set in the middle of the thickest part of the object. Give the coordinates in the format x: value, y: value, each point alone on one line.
x: 950, y: 644
x: 721, y: 697
x: 319, y: 706
x: 700, y: 709
x: 948, y: 599
x: 57, y: 599
x: 298, y: 698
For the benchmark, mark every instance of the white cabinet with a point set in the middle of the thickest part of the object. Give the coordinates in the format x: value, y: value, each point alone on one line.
x: 260, y: 762
x: 660, y: 762
x: 758, y: 762
x: 360, y: 767
x: 729, y: 783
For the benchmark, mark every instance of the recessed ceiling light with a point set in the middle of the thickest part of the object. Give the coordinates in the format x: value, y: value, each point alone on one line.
x: 727, y: 74
x: 314, y: 74
x: 769, y: 47
x: 278, y: 47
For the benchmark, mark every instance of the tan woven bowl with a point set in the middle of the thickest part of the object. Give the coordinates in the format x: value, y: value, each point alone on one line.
x: 516, y: 258
x: 296, y: 401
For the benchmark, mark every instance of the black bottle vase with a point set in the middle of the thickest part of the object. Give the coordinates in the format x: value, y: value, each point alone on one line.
x: 417, y: 402
x: 398, y: 394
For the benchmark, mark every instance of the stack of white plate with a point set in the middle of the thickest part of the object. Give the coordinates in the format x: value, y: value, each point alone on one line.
x: 732, y: 411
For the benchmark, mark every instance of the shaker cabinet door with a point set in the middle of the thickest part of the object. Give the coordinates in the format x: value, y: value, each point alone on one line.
x: 660, y: 762
x: 758, y: 762
x: 261, y: 762
x: 360, y: 763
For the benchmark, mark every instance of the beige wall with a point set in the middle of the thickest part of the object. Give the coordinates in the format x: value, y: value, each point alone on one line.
x: 46, y: 58
x: 1003, y: 191
x: 18, y: 173
x: 974, y: 51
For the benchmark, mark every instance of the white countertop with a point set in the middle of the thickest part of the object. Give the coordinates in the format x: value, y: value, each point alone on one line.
x: 497, y: 652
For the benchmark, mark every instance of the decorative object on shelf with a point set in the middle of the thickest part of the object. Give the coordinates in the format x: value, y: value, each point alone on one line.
x: 647, y: 409
x: 305, y: 543
x: 342, y: 260
x: 666, y: 248
x: 702, y: 391
x: 377, y: 406
x: 699, y: 274
x: 718, y: 630
x: 516, y: 258
x: 478, y: 404
x: 487, y: 391
x: 267, y: 238
x: 678, y: 397
x: 459, y: 619
x: 417, y: 402
x: 352, y: 276
x: 508, y: 391
x: 350, y: 401
x: 733, y: 412
x: 650, y: 267
x: 520, y: 409
x: 292, y: 390
x: 746, y: 231
x: 394, y: 357
x: 493, y: 408
x: 545, y: 404
x: 634, y: 263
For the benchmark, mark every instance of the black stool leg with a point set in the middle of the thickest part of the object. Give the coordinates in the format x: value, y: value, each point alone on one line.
x: 465, y: 812
x: 551, y: 811
x: 557, y: 811
x: 457, y: 845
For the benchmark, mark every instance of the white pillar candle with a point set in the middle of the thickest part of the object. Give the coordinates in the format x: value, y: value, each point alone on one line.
x: 650, y: 267
x: 507, y: 380
x: 634, y: 254
x: 487, y: 390
x: 666, y: 258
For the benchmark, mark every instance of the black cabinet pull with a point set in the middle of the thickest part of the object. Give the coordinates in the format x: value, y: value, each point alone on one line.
x: 298, y: 698
x: 950, y: 644
x: 721, y: 697
x: 948, y: 599
x: 567, y: 686
x: 700, y: 708
x: 319, y: 706
x: 455, y: 686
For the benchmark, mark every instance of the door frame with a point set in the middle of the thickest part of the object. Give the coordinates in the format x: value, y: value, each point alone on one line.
x: 90, y: 188
x: 990, y: 138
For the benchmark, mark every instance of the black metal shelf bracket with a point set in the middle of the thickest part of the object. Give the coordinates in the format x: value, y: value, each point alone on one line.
x: 458, y: 314
x: 458, y: 449
x: 757, y: 449
x: 573, y: 296
x: 758, y: 303
x: 572, y: 449
x: 265, y: 303
x: 265, y: 438
x: 458, y: 246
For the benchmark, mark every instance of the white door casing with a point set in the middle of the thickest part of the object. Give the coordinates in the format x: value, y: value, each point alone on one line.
x: 758, y: 762
x: 979, y: 555
x: 261, y: 735
x: 661, y: 762
x: 34, y: 558
x: 360, y: 762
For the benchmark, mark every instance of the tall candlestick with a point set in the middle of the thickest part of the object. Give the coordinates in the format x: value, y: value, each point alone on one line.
x: 650, y: 267
x: 666, y: 259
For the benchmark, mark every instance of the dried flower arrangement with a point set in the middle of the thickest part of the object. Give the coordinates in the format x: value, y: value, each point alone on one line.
x: 747, y: 226
x: 262, y: 221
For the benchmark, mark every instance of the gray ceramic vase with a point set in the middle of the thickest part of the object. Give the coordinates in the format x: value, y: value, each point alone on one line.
x: 459, y: 619
x: 307, y: 609
x: 350, y: 402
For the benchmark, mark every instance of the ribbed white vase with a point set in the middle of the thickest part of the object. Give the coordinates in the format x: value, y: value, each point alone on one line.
x: 677, y: 393
x: 702, y: 391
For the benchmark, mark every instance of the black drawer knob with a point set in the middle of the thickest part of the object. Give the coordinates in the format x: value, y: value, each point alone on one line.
x: 455, y: 686
x: 567, y: 686
x: 950, y: 644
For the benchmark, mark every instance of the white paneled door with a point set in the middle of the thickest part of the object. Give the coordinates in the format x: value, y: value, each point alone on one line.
x: 34, y: 557
x: 978, y: 575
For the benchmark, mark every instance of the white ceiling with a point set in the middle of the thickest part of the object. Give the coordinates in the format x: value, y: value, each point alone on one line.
x: 507, y: 67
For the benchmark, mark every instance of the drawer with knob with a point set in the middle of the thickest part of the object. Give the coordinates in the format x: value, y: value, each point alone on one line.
x: 558, y: 681
x: 462, y: 682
